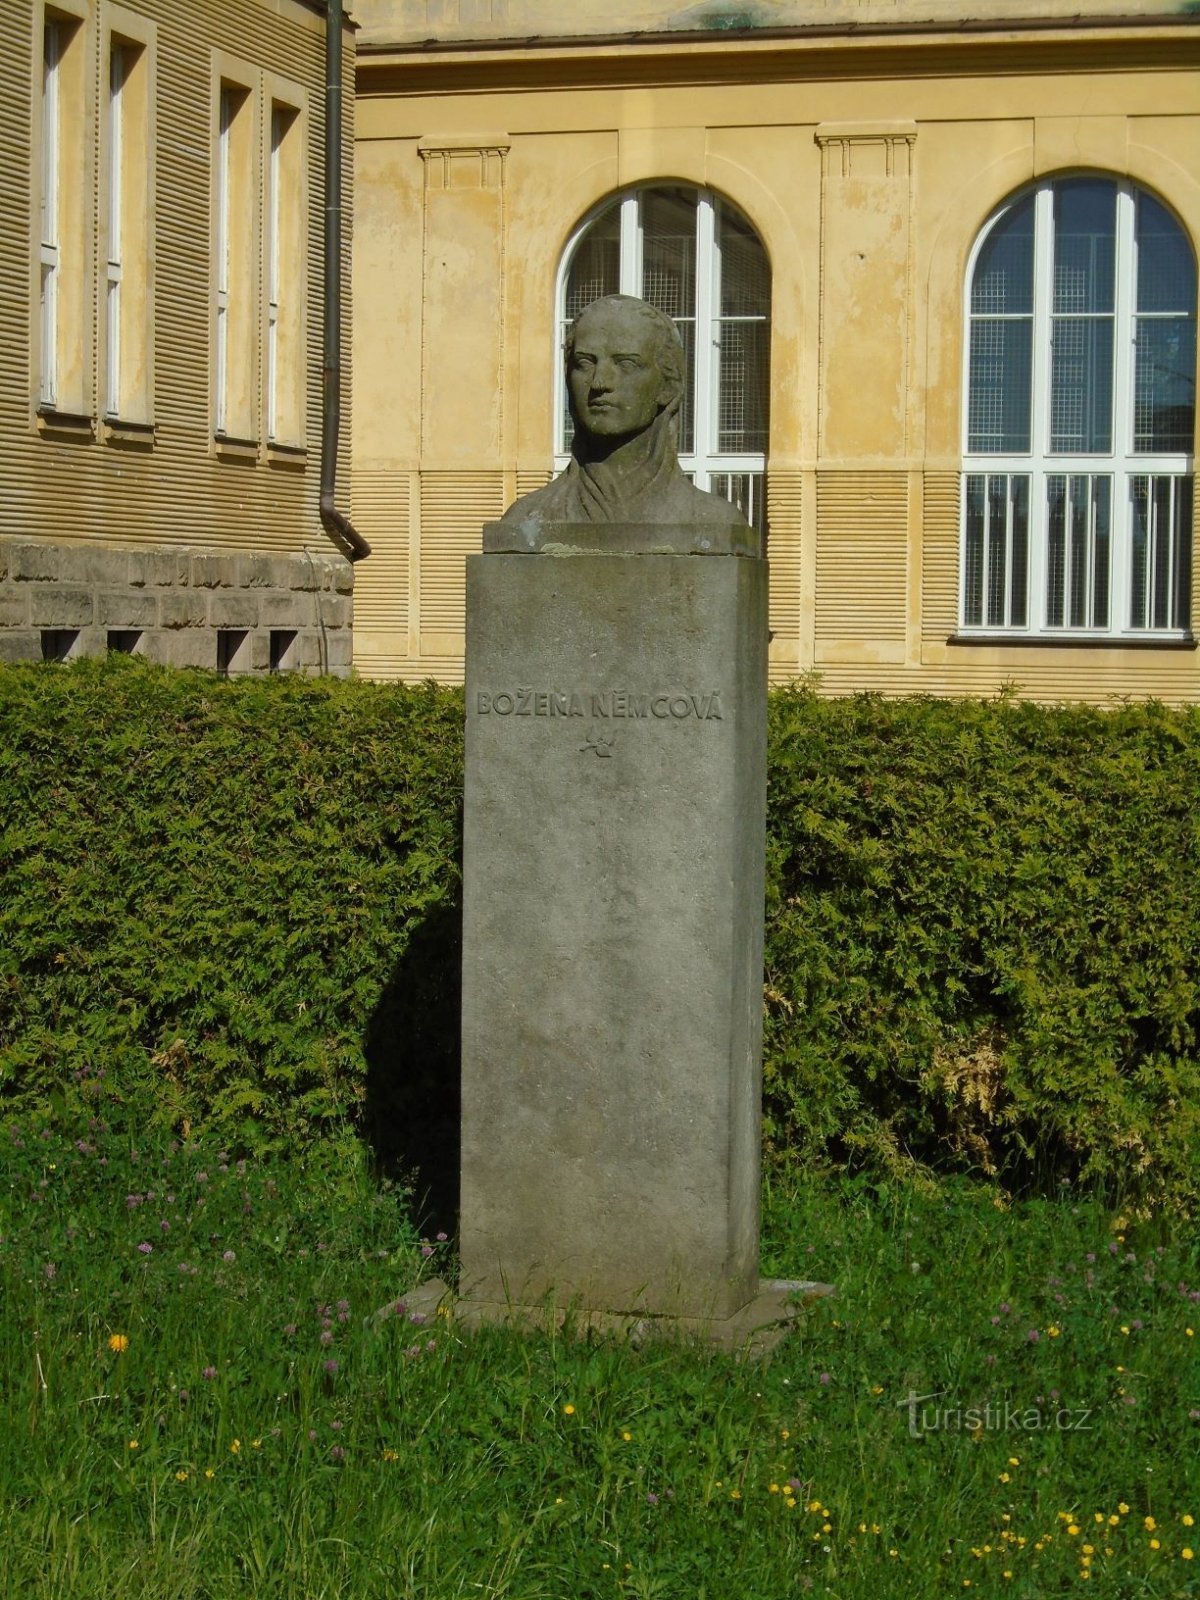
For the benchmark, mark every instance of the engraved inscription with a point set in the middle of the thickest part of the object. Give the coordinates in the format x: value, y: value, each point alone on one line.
x: 610, y: 704
x: 601, y: 743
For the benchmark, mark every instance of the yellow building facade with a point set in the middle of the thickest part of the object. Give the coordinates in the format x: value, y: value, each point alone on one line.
x: 162, y: 295
x: 935, y: 266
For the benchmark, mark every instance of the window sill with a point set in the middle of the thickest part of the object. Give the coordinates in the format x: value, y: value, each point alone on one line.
x: 66, y: 425
x: 1082, y: 641
x: 123, y: 431
x: 231, y: 449
x: 293, y: 456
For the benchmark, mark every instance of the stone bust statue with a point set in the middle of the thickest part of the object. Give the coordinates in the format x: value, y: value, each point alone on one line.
x: 625, y: 378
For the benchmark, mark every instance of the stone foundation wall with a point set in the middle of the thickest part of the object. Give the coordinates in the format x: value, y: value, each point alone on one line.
x: 230, y: 611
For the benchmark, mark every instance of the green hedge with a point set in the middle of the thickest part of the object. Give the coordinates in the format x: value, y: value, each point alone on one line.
x: 234, y: 905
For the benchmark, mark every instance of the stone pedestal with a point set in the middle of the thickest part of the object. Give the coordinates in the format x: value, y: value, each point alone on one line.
x: 613, y: 916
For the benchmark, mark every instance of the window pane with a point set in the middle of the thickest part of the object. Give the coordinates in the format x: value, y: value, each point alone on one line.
x: 1081, y: 360
x: 973, y: 552
x: 1101, y: 548
x: 1164, y: 385
x: 742, y: 387
x: 1001, y: 371
x: 1003, y: 277
x: 687, y: 411
x: 1056, y: 548
x: 596, y: 265
x: 1166, y: 268
x: 745, y: 490
x: 745, y: 275
x: 669, y: 251
x: 1019, y: 546
x: 1161, y: 567
x: 1085, y: 237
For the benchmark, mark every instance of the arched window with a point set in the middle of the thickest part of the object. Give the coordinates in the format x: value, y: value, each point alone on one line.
x: 693, y: 256
x: 1080, y: 416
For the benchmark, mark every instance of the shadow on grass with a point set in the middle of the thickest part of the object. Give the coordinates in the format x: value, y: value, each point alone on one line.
x: 413, y: 1081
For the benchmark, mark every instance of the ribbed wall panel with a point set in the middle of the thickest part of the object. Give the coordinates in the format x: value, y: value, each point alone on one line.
x: 179, y: 490
x: 1095, y: 680
x: 380, y: 511
x: 527, y: 482
x: 784, y: 507
x: 862, y: 555
x: 454, y: 508
x: 939, y: 555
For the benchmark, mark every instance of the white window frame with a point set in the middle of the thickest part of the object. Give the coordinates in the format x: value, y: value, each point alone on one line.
x: 708, y: 467
x: 275, y: 134
x: 1122, y: 464
x: 48, y: 254
x: 226, y: 111
x: 118, y: 65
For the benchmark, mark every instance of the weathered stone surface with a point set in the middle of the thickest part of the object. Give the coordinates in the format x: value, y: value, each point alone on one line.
x: 189, y: 647
x: 291, y: 610
x: 158, y: 568
x: 33, y: 562
x: 612, y: 963
x: 237, y: 609
x: 20, y: 645
x: 214, y: 571
x: 266, y: 572
x: 342, y: 577
x: 340, y: 652
x: 60, y: 605
x: 14, y: 607
x: 336, y: 610
x: 182, y: 608
x: 126, y: 608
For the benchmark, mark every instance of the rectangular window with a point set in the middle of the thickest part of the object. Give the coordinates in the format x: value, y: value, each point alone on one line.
x: 64, y: 209
x: 1078, y: 542
x: 1162, y: 543
x: 127, y: 289
x: 996, y: 570
x: 285, y: 268
x: 235, y: 274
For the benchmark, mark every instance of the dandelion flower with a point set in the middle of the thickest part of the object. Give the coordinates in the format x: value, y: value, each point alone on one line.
x: 1149, y: 1524
x: 181, y: 1477
x: 1155, y: 1545
x: 235, y: 1446
x: 119, y: 1342
x: 627, y: 1436
x: 1123, y: 1509
x: 1186, y: 1553
x: 133, y: 1444
x: 1187, y: 1519
x: 568, y: 1411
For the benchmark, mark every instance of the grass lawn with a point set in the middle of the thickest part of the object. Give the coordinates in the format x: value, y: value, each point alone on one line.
x: 199, y: 1400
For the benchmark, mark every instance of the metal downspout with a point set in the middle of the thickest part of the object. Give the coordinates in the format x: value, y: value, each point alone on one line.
x: 335, y: 522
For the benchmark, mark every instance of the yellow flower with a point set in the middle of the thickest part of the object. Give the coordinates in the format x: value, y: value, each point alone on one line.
x: 119, y: 1342
x: 391, y: 1455
x: 784, y: 1434
x: 1191, y: 1332
x: 1149, y: 1524
x: 209, y: 1473
x: 133, y: 1444
x: 256, y: 1444
x: 1089, y: 1549
x: 1124, y: 1327
x: 826, y: 1527
x: 1113, y: 1520
x: 1014, y: 1461
x: 1154, y: 1545
x: 1006, y: 1574
x: 1186, y: 1553
x: 1187, y: 1519
x: 789, y: 1502
x: 568, y: 1411
x: 735, y: 1494
x: 234, y: 1446
x: 1097, y: 1516
x: 876, y: 1388
x: 181, y: 1476
x: 1005, y: 1477
x: 1072, y: 1528
x: 1053, y: 1330
x: 627, y: 1437
x: 1123, y: 1509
